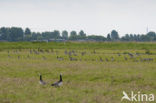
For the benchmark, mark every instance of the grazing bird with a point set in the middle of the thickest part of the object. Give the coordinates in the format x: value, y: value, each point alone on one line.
x: 101, y: 59
x: 126, y: 58
x: 131, y: 55
x: 112, y: 59
x: 58, y: 83
x: 119, y: 54
x: 41, y: 81
x: 107, y: 60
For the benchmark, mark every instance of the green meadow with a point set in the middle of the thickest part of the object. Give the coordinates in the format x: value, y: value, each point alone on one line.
x: 92, y: 72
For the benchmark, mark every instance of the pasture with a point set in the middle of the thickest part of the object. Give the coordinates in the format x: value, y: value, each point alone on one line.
x: 92, y: 72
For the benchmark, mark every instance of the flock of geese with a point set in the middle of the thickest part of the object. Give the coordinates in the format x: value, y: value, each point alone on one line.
x: 56, y: 84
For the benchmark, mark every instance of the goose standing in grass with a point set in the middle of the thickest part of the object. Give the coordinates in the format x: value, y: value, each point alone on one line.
x: 41, y: 81
x: 58, y: 83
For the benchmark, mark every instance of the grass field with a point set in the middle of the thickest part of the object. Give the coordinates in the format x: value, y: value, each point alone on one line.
x: 92, y: 72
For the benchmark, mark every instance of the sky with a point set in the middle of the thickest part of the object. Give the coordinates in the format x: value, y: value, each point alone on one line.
x: 95, y: 17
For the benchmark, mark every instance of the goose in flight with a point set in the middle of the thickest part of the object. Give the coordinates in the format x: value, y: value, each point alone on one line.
x: 58, y: 83
x: 41, y: 81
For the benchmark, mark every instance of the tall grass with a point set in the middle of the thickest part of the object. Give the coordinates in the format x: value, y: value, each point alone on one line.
x: 78, y: 45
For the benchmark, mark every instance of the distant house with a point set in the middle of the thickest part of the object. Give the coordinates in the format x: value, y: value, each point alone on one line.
x: 56, y: 40
x: 3, y: 41
x: 39, y: 40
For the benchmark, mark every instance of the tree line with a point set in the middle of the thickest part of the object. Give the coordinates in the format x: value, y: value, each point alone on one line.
x: 18, y: 34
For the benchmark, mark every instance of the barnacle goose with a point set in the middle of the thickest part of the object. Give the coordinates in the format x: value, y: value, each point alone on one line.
x: 58, y: 83
x: 41, y: 81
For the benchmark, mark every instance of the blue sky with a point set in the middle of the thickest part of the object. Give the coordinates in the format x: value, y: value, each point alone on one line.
x: 93, y: 16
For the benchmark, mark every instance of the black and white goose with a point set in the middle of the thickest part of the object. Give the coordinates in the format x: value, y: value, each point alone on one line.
x: 41, y: 81
x: 58, y: 83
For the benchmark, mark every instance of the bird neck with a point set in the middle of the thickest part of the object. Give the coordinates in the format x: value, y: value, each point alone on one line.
x: 41, y: 77
x: 60, y: 77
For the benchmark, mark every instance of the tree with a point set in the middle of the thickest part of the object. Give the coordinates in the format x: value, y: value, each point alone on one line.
x: 73, y: 35
x: 5, y: 34
x: 27, y: 34
x: 151, y: 35
x: 144, y: 38
x: 81, y: 33
x: 56, y: 34
x: 135, y: 37
x: 126, y: 38
x: 34, y: 36
x: 108, y: 37
x: 131, y: 37
x: 64, y: 34
x: 27, y: 31
x: 16, y: 34
x: 48, y: 35
x: 114, y: 35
